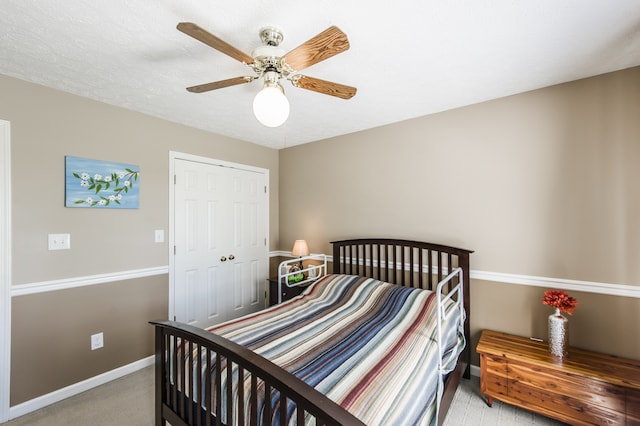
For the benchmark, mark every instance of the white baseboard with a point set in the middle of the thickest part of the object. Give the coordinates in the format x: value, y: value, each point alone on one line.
x: 76, y: 388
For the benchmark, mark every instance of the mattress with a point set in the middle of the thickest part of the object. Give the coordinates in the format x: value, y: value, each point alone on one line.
x: 368, y: 345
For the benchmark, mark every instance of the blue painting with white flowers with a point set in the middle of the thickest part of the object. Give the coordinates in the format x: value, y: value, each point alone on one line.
x: 101, y: 184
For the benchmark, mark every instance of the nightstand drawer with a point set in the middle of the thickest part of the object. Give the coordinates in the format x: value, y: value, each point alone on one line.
x: 287, y: 292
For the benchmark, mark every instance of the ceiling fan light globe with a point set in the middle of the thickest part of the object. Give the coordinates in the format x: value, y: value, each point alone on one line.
x: 271, y: 106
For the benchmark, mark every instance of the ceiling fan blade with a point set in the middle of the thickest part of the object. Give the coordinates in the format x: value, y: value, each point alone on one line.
x: 328, y: 43
x: 220, y: 84
x: 324, y: 87
x: 191, y: 29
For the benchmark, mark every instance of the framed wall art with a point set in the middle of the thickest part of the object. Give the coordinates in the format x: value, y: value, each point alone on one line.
x: 101, y: 184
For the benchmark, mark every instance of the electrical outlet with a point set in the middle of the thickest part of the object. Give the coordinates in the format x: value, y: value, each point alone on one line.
x: 59, y: 241
x: 97, y: 341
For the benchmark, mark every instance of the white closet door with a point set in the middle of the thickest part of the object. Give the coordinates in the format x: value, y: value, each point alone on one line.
x: 221, y: 253
x: 248, y: 255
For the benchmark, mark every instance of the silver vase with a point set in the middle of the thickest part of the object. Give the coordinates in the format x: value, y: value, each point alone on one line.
x: 558, y: 334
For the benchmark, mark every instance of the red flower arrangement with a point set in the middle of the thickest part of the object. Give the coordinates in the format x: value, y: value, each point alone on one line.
x: 559, y: 299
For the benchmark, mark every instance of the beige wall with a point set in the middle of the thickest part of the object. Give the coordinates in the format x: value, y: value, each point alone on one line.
x: 51, y: 330
x: 543, y: 184
x: 46, y: 125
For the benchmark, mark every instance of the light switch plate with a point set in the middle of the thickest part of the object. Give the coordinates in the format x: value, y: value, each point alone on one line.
x: 159, y: 236
x: 59, y: 241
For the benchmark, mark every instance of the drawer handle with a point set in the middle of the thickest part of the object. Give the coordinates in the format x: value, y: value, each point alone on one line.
x: 223, y: 259
x: 231, y: 257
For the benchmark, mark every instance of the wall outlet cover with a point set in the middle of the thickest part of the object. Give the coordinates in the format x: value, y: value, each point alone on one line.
x: 97, y: 341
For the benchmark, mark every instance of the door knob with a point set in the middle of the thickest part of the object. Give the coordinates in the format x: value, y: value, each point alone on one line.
x: 223, y: 259
x: 231, y: 257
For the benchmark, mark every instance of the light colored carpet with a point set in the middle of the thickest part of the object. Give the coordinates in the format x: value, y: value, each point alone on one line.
x: 128, y: 401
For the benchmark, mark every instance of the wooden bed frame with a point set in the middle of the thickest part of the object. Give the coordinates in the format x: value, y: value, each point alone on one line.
x: 402, y: 262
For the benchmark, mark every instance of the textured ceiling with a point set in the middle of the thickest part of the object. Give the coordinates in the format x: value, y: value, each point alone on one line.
x: 408, y: 58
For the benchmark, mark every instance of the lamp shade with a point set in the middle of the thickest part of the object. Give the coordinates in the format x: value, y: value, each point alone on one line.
x: 300, y: 248
x: 270, y: 106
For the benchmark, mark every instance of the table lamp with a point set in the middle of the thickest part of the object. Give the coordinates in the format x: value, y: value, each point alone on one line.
x: 300, y: 249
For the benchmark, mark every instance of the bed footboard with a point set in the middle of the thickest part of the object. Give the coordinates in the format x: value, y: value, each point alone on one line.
x: 182, y: 351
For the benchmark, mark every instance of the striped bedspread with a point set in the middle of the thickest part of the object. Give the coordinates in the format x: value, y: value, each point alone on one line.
x: 368, y: 345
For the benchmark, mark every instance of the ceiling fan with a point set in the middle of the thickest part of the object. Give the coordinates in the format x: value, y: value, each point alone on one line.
x: 271, y: 63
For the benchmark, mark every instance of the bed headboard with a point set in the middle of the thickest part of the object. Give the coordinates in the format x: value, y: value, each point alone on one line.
x: 403, y: 262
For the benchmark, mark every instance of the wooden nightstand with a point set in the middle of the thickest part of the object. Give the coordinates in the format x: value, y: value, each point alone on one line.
x: 287, y: 292
x: 583, y: 388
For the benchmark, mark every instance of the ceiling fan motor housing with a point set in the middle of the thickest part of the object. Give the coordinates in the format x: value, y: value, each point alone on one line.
x: 268, y: 57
